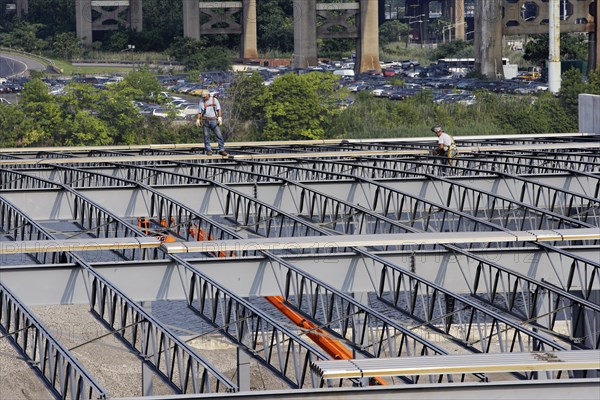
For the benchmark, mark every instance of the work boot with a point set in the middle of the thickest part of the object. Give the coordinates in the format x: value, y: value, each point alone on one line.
x: 223, y: 153
x: 209, y: 152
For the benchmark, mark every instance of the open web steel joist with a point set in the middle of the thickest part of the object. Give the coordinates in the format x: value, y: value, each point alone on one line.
x: 533, y: 288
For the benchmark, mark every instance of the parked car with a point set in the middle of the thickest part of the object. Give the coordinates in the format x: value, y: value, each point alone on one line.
x: 187, y: 110
x: 409, y: 64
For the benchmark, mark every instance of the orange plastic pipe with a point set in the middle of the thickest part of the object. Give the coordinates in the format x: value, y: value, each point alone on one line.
x: 321, y: 337
x: 331, y: 346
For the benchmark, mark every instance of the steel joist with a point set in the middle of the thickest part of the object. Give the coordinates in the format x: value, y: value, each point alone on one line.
x: 280, y: 190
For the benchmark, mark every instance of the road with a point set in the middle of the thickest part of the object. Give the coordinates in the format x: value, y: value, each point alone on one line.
x: 15, y: 64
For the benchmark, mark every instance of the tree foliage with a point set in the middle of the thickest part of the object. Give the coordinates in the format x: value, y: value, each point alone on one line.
x: 455, y: 48
x: 573, y: 46
x: 275, y: 25
x: 66, y: 45
x: 301, y: 106
x: 24, y: 36
x: 392, y: 31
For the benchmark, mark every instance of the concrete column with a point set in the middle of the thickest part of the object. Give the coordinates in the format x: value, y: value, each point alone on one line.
x: 554, y: 46
x: 136, y: 15
x: 22, y: 7
x: 305, y: 33
x: 249, y: 41
x: 459, y: 19
x: 488, y: 38
x: 191, y: 19
x: 368, y: 48
x: 83, y: 21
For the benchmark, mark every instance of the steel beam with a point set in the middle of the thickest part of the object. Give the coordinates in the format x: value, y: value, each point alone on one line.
x: 175, y: 361
x: 165, y: 280
x: 58, y: 367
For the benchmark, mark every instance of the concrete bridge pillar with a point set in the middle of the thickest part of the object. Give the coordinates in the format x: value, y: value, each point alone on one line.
x: 191, y: 19
x: 458, y: 19
x: 249, y: 40
x: 85, y: 24
x: 488, y: 40
x: 83, y: 21
x: 22, y: 7
x: 305, y: 33
x: 135, y: 15
x: 368, y: 48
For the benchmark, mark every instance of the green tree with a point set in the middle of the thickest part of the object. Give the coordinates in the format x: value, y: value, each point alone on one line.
x: 162, y: 23
x: 455, y: 48
x: 117, y: 41
x: 117, y: 111
x: 594, y: 82
x: 216, y: 59
x: 275, y: 25
x: 11, y: 125
x: 573, y: 46
x: 87, y: 130
x: 301, y: 106
x: 66, y: 45
x: 36, y: 91
x: 571, y: 86
x: 184, y: 47
x: 141, y: 85
x: 247, y: 96
x: 24, y: 37
x: 55, y: 16
x: 391, y: 31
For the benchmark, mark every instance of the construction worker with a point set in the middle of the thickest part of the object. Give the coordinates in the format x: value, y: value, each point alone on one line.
x: 210, y: 119
x: 446, y: 147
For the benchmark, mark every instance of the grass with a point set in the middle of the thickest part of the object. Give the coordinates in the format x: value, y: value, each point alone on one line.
x: 69, y: 69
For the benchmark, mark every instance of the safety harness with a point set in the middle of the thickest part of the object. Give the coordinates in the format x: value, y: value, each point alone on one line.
x: 213, y: 105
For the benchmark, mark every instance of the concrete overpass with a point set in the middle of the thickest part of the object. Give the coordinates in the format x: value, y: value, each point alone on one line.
x: 353, y: 19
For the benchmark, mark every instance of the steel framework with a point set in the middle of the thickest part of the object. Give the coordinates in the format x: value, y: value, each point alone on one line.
x: 413, y: 299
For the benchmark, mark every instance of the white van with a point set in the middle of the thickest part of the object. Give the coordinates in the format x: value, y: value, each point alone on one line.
x: 344, y: 72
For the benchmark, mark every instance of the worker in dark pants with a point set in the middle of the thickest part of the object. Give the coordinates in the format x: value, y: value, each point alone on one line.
x: 446, y: 147
x: 210, y: 119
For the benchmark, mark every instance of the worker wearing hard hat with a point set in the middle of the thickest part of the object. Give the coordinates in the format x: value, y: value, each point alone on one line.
x: 210, y: 119
x: 446, y: 146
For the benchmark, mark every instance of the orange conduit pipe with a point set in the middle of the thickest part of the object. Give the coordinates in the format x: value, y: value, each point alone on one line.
x: 319, y: 336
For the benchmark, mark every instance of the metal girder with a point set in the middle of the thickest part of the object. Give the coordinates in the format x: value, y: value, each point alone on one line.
x: 582, y: 389
x: 396, y: 336
x: 319, y: 203
x: 489, y: 363
x: 53, y: 246
x: 233, y: 202
x: 286, y: 345
x: 174, y: 360
x: 503, y: 273
x: 165, y: 279
x: 58, y: 367
x: 251, y: 204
